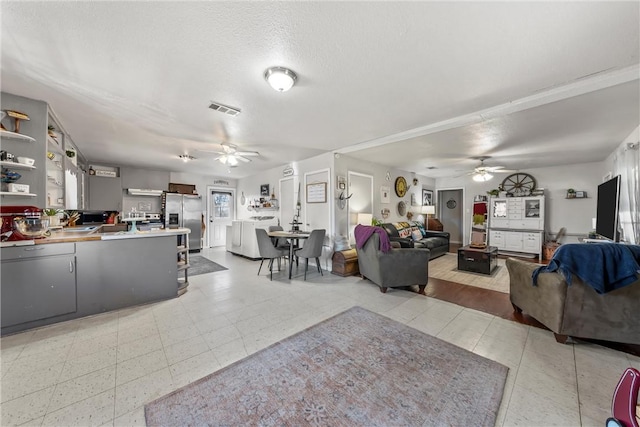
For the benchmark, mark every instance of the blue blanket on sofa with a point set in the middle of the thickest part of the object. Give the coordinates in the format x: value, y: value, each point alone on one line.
x: 603, y: 266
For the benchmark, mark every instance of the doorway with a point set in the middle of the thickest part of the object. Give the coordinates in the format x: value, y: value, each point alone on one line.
x: 221, y: 212
x: 451, y: 213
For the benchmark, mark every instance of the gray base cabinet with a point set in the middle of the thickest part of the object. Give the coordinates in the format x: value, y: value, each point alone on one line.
x: 37, y: 287
x: 120, y: 273
x: 51, y: 283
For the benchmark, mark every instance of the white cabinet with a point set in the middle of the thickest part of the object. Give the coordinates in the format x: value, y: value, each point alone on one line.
x: 532, y: 242
x: 243, y: 236
x: 497, y: 238
x: 517, y: 224
x: 513, y: 241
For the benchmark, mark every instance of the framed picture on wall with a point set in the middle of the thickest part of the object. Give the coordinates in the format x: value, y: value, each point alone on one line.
x: 384, y: 194
x: 264, y: 190
x: 427, y: 197
x: 317, y: 192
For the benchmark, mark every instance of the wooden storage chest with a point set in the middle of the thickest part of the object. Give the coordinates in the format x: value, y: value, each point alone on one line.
x: 345, y: 263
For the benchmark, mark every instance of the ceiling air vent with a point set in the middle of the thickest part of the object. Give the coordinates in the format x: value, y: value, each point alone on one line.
x: 232, y: 111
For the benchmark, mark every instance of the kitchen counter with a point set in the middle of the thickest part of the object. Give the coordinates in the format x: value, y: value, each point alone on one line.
x: 84, y: 236
x: 79, y: 273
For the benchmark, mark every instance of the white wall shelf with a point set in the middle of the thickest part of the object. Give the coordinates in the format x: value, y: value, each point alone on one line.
x: 14, y: 165
x: 8, y: 193
x: 12, y: 135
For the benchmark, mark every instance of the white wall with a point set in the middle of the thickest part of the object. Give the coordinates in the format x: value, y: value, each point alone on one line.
x: 344, y: 164
x: 573, y: 214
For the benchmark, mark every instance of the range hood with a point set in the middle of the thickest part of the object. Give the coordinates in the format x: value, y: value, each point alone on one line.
x: 144, y: 192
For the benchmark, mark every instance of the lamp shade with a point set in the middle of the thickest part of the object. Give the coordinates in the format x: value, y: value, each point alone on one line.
x: 280, y: 78
x: 365, y: 218
x: 428, y: 210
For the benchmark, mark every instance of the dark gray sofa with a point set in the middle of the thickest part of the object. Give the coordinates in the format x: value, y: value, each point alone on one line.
x: 436, y: 241
x: 399, y: 267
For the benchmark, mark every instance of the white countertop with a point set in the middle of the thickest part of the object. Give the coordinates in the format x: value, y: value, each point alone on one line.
x: 139, y: 234
x: 70, y: 236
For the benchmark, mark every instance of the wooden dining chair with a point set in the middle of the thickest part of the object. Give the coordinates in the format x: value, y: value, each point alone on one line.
x: 268, y: 251
x: 312, y: 249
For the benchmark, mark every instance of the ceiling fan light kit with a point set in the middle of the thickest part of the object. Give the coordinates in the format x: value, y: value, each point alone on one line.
x: 482, y: 177
x: 280, y: 78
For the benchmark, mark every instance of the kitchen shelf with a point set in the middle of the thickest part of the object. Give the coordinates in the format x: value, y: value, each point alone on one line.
x: 9, y: 193
x: 14, y: 165
x: 56, y: 163
x: 12, y: 135
x: 182, y: 251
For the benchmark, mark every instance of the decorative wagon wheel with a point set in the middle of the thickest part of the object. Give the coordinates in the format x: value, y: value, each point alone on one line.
x: 519, y: 184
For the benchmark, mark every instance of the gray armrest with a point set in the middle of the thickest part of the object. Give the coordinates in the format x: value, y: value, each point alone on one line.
x: 545, y: 302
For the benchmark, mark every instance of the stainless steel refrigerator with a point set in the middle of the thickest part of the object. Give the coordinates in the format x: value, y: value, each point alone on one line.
x: 184, y: 210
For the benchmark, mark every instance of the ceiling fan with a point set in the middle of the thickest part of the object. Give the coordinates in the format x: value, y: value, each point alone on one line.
x: 230, y: 155
x: 482, y: 173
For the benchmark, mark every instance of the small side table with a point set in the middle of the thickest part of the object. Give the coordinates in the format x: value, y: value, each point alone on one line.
x: 482, y: 261
x: 345, y: 263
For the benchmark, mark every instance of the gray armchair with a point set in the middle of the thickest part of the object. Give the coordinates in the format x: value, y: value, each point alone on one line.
x: 397, y: 268
x: 575, y: 310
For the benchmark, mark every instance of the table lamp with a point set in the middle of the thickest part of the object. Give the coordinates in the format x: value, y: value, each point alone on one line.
x: 427, y: 210
x: 365, y: 218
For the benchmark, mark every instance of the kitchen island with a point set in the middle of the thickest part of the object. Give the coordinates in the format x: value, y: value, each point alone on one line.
x: 76, y: 274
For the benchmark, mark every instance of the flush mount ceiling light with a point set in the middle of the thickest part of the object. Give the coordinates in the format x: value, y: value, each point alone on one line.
x: 280, y: 78
x: 185, y: 157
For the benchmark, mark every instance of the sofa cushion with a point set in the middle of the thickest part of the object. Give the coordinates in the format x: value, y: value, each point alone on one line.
x: 431, y: 242
x: 416, y: 235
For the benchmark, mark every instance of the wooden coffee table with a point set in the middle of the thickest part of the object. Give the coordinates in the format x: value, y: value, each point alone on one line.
x: 478, y: 260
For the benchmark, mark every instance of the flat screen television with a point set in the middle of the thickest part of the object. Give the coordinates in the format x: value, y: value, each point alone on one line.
x: 607, y: 210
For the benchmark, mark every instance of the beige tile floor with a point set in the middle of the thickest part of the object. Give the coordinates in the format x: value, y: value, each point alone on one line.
x: 101, y: 370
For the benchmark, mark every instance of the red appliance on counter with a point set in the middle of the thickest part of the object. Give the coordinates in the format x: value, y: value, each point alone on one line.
x: 8, y: 213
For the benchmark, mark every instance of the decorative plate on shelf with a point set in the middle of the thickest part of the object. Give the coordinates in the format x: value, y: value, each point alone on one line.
x: 401, y: 186
x: 402, y: 208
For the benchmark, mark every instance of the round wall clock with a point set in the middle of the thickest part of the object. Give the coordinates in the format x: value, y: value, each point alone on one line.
x: 519, y: 184
x: 401, y: 186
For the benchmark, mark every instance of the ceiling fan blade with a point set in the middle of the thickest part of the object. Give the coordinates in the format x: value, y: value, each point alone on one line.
x: 504, y: 171
x: 211, y: 151
x: 493, y: 168
x: 244, y: 159
x: 247, y: 153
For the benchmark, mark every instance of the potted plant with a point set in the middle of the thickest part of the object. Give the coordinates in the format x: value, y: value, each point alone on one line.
x: 571, y: 193
x: 493, y: 192
x: 53, y: 215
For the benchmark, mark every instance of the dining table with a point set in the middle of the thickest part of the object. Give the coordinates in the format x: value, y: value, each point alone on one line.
x: 294, y: 237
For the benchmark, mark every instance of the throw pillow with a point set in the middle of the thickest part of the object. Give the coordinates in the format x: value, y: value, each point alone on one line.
x: 405, y: 232
x: 416, y: 235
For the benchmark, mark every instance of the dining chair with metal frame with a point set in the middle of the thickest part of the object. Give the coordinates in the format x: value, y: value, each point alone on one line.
x: 268, y: 251
x: 312, y: 249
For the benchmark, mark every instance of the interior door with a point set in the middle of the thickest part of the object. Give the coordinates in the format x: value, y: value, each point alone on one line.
x: 287, y: 202
x: 220, y: 216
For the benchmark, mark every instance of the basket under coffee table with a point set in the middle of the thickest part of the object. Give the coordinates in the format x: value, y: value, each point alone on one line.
x: 478, y: 260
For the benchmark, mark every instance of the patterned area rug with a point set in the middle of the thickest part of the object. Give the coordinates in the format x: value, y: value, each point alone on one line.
x: 446, y: 268
x: 356, y: 368
x: 201, y: 265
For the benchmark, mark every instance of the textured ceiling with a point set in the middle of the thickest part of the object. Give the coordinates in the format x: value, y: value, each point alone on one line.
x: 131, y: 81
